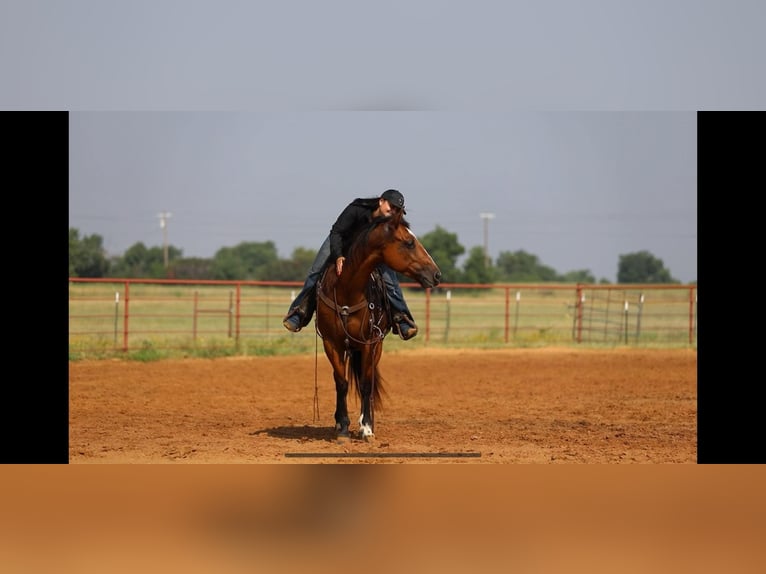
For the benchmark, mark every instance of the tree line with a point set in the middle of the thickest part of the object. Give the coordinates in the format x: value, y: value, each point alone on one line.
x: 259, y: 261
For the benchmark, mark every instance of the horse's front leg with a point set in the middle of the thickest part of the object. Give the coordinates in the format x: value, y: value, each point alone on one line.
x: 366, y: 425
x: 342, y: 421
x: 367, y: 414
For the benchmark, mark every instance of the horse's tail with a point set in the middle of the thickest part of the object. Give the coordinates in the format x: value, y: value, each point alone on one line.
x: 355, y: 376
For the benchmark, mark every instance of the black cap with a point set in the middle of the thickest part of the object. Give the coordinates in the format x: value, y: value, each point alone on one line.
x: 395, y: 198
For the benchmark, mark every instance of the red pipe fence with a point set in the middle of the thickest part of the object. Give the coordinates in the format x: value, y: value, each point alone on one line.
x: 108, y: 315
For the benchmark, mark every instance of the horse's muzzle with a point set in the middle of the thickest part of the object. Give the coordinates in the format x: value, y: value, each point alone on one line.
x: 431, y: 279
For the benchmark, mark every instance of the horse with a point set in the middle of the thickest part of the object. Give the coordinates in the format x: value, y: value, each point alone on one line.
x: 353, y: 315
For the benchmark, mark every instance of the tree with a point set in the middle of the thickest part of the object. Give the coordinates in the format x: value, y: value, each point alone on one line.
x: 244, y: 260
x: 191, y: 268
x: 445, y: 250
x: 293, y: 269
x: 140, y: 261
x: 642, y: 267
x: 523, y: 267
x: 578, y: 276
x: 476, y: 270
x: 87, y: 257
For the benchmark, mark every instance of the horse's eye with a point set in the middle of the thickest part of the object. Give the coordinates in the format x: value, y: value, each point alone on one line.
x: 410, y: 244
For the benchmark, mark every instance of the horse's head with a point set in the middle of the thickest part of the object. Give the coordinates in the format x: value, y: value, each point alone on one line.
x: 403, y: 252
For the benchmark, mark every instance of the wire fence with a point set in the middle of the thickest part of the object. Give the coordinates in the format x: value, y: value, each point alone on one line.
x: 117, y: 316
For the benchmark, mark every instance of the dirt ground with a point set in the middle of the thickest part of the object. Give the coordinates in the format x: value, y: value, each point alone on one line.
x: 546, y: 406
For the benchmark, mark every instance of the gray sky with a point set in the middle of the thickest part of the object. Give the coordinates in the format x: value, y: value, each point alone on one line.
x: 487, y: 105
x: 577, y: 189
x: 400, y: 54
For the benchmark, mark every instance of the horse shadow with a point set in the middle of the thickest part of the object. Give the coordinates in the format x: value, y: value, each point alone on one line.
x: 303, y: 433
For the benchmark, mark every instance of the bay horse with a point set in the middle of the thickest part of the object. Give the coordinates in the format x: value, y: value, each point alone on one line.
x: 353, y: 315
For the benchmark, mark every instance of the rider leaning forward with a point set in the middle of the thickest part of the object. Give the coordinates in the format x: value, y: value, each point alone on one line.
x: 358, y: 213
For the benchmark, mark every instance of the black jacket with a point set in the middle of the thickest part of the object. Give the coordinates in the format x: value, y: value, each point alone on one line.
x: 357, y: 214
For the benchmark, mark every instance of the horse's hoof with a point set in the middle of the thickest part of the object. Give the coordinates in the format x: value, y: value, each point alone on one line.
x: 343, y: 437
x: 365, y: 431
x: 368, y: 438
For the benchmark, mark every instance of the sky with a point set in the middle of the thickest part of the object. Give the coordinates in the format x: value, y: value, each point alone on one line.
x: 572, y: 122
x: 576, y: 189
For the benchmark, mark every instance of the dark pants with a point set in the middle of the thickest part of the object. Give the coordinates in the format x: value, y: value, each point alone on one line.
x: 305, y: 302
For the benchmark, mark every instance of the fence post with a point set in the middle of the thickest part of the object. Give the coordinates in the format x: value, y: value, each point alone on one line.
x: 127, y: 317
x: 116, y: 311
x: 626, y: 322
x: 446, y: 323
x: 579, y: 303
x: 506, y: 319
x: 516, y: 317
x: 195, y: 314
x: 638, y: 317
x: 231, y: 311
x: 428, y: 315
x: 238, y: 311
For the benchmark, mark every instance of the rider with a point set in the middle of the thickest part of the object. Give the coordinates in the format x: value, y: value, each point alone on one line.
x: 359, y: 212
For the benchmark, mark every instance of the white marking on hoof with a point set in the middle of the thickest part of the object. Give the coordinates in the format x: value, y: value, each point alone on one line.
x: 365, y: 430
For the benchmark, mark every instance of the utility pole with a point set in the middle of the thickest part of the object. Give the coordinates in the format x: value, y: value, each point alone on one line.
x: 164, y: 216
x: 486, y: 217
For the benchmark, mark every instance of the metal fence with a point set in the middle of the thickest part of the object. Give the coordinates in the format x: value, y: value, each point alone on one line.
x: 108, y: 316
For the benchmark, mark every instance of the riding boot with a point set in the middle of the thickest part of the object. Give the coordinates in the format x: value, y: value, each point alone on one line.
x: 403, y: 322
x: 304, y: 305
x: 302, y: 310
x: 404, y: 326
x: 308, y: 306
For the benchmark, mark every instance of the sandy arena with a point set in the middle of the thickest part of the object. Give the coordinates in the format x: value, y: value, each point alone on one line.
x: 543, y: 406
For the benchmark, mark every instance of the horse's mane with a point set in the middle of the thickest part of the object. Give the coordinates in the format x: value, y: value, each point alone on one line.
x: 359, y: 243
x: 358, y: 246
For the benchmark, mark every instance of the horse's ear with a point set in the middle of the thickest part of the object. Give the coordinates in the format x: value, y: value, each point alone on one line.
x: 393, y: 222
